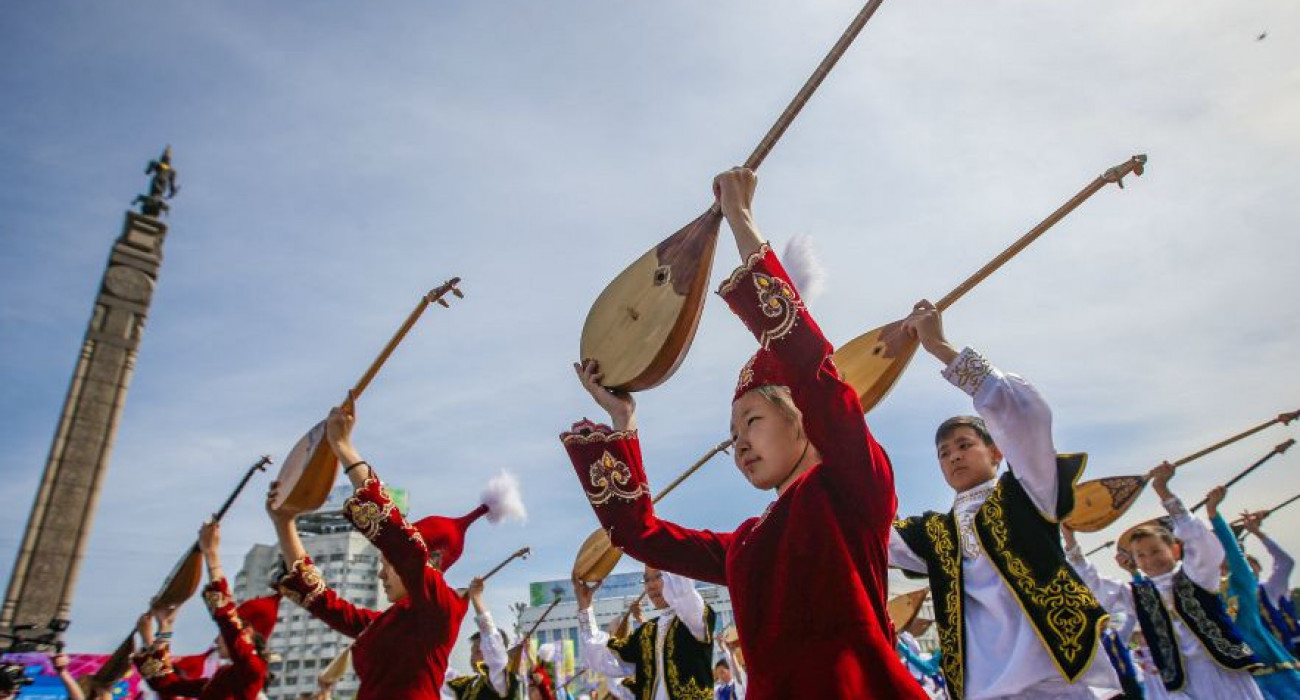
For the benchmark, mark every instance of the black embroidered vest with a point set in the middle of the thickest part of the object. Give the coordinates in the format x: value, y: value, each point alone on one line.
x: 689, y: 675
x: 476, y: 686
x: 1025, y: 548
x: 1203, y: 613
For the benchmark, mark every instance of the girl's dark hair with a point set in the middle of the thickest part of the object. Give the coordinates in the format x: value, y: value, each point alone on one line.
x: 950, y: 426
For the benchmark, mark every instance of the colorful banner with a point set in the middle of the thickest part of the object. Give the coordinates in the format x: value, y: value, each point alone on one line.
x: 45, y: 681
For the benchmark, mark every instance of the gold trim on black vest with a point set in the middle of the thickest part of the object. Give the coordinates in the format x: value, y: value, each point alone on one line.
x: 1025, y: 550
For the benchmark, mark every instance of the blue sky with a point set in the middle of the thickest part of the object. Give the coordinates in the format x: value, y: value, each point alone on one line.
x: 338, y: 160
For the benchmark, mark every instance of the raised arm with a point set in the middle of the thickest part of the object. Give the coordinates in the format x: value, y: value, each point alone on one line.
x: 60, y: 663
x: 593, y: 642
x: 1114, y: 595
x: 761, y: 294
x: 495, y: 655
x: 1241, y: 579
x: 1278, y: 583
x: 688, y: 605
x: 304, y: 585
x: 1017, y: 417
x: 237, y: 635
x: 155, y: 662
x: 608, y: 465
x: 1202, y: 552
x: 372, y: 512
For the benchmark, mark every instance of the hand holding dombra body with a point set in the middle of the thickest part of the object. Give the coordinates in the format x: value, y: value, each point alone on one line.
x: 620, y: 405
x: 925, y: 324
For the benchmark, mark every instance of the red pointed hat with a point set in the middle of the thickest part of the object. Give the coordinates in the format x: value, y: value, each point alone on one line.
x: 541, y: 680
x: 761, y: 370
x: 191, y: 666
x: 260, y: 614
x: 448, y: 534
x: 500, y: 500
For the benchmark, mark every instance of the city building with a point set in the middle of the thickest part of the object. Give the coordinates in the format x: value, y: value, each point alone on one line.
x: 349, y: 564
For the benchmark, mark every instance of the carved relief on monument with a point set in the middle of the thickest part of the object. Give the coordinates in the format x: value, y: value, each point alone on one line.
x: 128, y: 283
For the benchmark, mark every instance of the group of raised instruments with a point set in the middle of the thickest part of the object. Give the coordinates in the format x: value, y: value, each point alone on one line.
x: 1019, y: 610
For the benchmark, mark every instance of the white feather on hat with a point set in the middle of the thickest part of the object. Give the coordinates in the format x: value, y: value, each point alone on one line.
x: 502, y: 498
x: 805, y: 270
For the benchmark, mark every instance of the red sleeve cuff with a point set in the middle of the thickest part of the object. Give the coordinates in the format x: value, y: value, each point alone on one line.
x: 154, y: 662
x: 760, y: 293
x: 303, y: 583
x: 608, y: 463
x: 217, y: 596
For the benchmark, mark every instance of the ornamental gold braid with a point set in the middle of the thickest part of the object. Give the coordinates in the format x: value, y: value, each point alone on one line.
x: 609, y: 478
x: 690, y: 690
x: 369, y: 516
x: 1063, y: 600
x: 777, y: 300
x: 951, y: 632
x: 648, y: 657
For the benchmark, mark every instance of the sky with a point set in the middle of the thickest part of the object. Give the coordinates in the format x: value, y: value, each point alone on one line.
x: 338, y: 160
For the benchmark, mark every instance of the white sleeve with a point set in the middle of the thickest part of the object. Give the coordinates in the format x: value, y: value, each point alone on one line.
x: 686, y: 603
x: 495, y: 656
x: 902, y: 557
x: 1114, y: 595
x: 445, y: 692
x: 1278, y: 583
x: 738, y: 675
x: 595, y: 655
x: 1203, y: 554
x: 1018, y: 419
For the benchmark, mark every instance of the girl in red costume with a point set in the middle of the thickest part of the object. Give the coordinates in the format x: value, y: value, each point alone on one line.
x: 244, y: 631
x: 401, y: 652
x: 808, y: 577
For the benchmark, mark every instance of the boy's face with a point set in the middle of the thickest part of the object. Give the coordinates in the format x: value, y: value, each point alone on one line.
x: 1154, y: 556
x: 965, y: 460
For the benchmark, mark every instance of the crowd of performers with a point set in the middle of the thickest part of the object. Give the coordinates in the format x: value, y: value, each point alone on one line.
x: 1019, y: 611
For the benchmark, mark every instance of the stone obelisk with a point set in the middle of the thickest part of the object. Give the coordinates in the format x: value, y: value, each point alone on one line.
x: 45, y: 574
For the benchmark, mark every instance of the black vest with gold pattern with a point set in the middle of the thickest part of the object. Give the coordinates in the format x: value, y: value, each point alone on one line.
x: 476, y: 686
x: 1025, y: 548
x: 1204, y: 614
x: 689, y: 675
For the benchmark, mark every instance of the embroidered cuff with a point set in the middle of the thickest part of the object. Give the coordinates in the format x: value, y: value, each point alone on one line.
x: 154, y: 662
x: 968, y: 371
x: 760, y: 293
x: 587, y: 623
x: 1074, y: 555
x: 587, y: 431
x: 1174, y: 507
x: 303, y: 583
x: 217, y: 595
x: 369, y: 508
x: 744, y: 269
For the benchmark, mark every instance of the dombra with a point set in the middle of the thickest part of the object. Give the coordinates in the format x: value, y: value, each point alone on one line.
x: 873, y: 362
x: 310, y: 468
x: 1100, y: 502
x: 641, y: 326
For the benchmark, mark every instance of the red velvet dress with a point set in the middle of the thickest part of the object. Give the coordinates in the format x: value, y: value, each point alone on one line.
x: 808, y: 578
x: 241, y: 679
x: 400, y: 653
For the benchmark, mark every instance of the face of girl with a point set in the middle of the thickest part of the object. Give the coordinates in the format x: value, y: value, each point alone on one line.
x: 768, y: 441
x: 392, y: 583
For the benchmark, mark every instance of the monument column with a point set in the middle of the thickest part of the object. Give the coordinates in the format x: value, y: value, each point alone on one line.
x: 45, y: 574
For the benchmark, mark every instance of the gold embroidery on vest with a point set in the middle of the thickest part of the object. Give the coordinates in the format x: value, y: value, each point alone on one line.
x: 951, y: 634
x: 1064, y: 601
x: 690, y: 690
